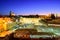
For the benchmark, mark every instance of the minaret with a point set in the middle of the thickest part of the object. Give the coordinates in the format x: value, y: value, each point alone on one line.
x: 56, y: 15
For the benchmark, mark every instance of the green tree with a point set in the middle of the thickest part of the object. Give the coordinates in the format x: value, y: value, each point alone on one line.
x: 52, y: 16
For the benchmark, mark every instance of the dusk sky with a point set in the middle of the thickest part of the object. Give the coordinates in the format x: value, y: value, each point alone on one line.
x: 29, y: 6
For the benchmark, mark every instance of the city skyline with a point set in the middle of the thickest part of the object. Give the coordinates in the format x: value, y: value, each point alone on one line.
x: 23, y: 7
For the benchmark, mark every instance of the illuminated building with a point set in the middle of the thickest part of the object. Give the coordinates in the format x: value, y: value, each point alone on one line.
x: 4, y: 22
x: 12, y: 13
